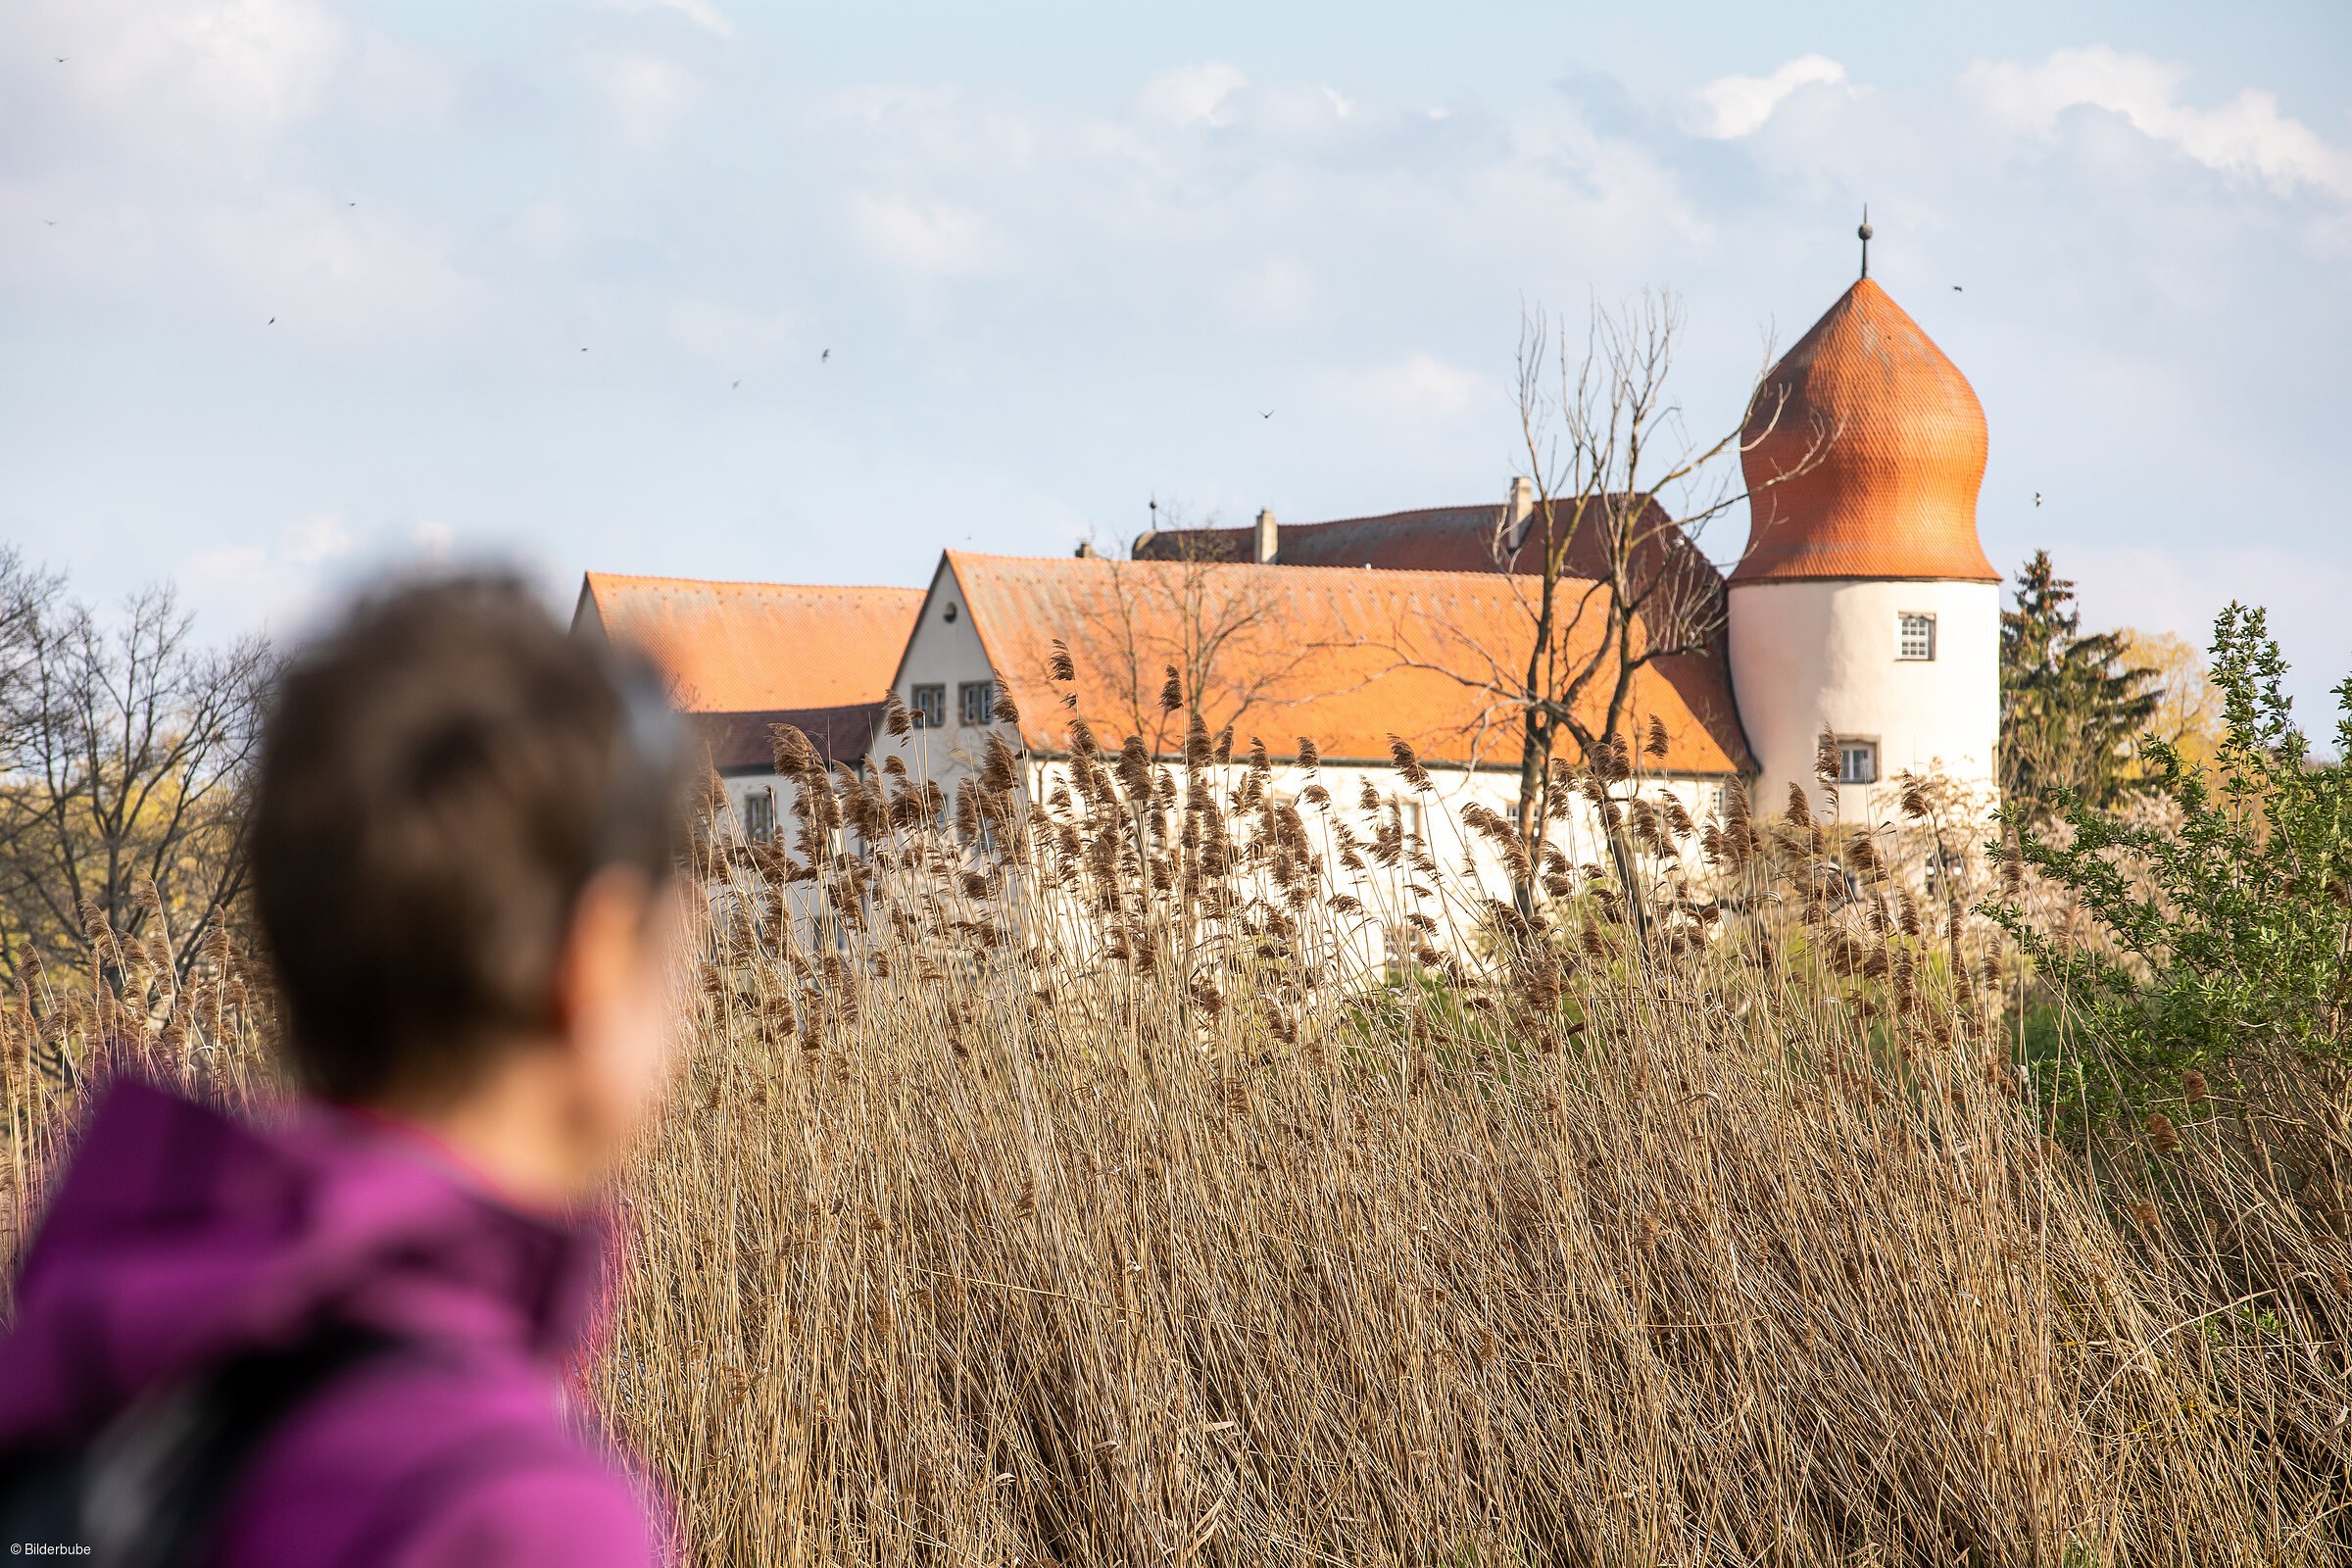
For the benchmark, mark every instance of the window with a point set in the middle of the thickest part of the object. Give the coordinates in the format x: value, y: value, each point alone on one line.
x: 1914, y: 635
x: 928, y: 704
x: 974, y: 701
x: 760, y: 814
x: 1717, y: 797
x: 1857, y: 761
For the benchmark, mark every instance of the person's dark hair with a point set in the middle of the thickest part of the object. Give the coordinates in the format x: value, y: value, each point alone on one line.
x: 441, y: 774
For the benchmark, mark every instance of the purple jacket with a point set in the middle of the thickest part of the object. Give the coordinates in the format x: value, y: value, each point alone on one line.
x: 181, y: 1235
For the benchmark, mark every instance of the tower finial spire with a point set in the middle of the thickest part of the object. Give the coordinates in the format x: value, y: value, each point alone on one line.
x: 1863, y: 234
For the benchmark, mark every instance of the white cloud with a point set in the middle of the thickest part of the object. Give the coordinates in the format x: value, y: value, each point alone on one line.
x: 327, y: 271
x: 318, y: 559
x: 702, y: 13
x: 400, y: 87
x: 319, y: 537
x: 2246, y: 137
x: 1737, y: 106
x: 928, y: 239
x: 546, y: 232
x: 249, y: 64
x: 1418, y: 391
x: 1192, y: 94
x: 644, y: 93
x: 163, y: 84
x: 248, y: 588
x: 729, y: 337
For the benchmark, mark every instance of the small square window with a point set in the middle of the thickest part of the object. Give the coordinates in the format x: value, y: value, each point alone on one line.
x: 1857, y: 761
x: 1717, y: 797
x: 1914, y: 635
x: 975, y: 700
x: 928, y: 706
x: 759, y: 816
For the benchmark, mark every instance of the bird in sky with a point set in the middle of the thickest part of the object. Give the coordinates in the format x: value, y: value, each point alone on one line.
x: 1268, y: 415
x: 731, y: 386
x: 822, y: 358
x: 273, y: 322
x: 2038, y: 498
x: 1957, y: 289
x: 583, y: 349
x: 351, y: 204
x: 60, y: 60
x: 51, y: 222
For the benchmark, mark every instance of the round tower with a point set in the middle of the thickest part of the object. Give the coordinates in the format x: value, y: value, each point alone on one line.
x: 1863, y: 605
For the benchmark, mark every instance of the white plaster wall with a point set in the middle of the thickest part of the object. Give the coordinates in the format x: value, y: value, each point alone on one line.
x: 1820, y: 654
x: 1469, y: 866
x: 740, y: 787
x: 1387, y: 893
x: 943, y: 652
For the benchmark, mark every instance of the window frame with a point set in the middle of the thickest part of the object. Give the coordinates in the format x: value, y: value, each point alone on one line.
x: 964, y: 690
x: 1848, y: 745
x: 1901, y: 654
x: 760, y: 814
x: 923, y: 714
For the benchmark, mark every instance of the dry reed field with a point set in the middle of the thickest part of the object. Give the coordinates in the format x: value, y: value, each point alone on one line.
x: 1060, y: 1182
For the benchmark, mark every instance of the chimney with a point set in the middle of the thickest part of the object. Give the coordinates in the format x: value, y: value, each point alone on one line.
x: 1522, y: 507
x: 1269, y: 538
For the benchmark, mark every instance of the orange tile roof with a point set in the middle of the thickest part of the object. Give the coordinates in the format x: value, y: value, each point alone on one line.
x: 736, y: 647
x: 1344, y: 657
x: 1895, y: 442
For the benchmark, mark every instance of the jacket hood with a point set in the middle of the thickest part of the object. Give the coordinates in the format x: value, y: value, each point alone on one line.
x: 181, y: 1234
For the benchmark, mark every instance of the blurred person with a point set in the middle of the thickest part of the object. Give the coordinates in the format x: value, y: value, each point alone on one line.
x: 335, y: 1336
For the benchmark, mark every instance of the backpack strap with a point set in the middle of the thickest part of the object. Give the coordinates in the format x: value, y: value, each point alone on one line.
x: 153, y: 1484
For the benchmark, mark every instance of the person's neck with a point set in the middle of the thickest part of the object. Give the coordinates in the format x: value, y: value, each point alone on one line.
x: 510, y: 1130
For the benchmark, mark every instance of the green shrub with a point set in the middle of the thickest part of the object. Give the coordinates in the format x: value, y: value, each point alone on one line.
x: 2224, y: 925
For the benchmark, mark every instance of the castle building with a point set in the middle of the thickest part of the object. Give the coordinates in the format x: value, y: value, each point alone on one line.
x: 1861, y: 607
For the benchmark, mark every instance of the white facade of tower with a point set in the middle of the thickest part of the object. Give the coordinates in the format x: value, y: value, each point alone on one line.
x: 1904, y: 674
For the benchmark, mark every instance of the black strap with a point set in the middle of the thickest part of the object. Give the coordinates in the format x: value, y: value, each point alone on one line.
x: 153, y: 1483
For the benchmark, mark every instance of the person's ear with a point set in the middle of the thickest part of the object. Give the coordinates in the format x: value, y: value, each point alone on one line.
x: 602, y: 947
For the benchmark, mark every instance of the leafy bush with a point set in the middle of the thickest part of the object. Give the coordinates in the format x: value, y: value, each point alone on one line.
x: 2222, y: 925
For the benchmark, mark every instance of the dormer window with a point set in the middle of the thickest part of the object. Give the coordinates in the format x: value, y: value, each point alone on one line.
x: 1914, y: 635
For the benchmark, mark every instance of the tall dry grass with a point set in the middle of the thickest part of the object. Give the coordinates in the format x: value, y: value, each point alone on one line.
x: 1080, y: 1200
x: 1059, y: 1182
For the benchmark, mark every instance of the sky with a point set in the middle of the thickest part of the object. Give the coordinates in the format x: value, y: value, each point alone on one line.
x: 293, y: 293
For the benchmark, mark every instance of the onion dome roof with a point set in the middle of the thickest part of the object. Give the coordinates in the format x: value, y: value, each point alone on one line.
x: 1864, y: 454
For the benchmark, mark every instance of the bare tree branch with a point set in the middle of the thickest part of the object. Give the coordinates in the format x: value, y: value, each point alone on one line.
x: 122, y: 798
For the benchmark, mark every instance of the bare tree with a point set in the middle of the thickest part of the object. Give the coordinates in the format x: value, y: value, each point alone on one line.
x: 1220, y: 628
x: 1607, y: 559
x: 1624, y: 497
x: 123, y: 797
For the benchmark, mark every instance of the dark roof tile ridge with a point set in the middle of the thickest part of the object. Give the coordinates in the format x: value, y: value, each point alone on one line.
x: 1328, y: 522
x: 1495, y: 507
x: 1339, y: 573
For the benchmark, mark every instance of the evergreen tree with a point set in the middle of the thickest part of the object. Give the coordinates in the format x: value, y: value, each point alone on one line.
x: 2072, y: 710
